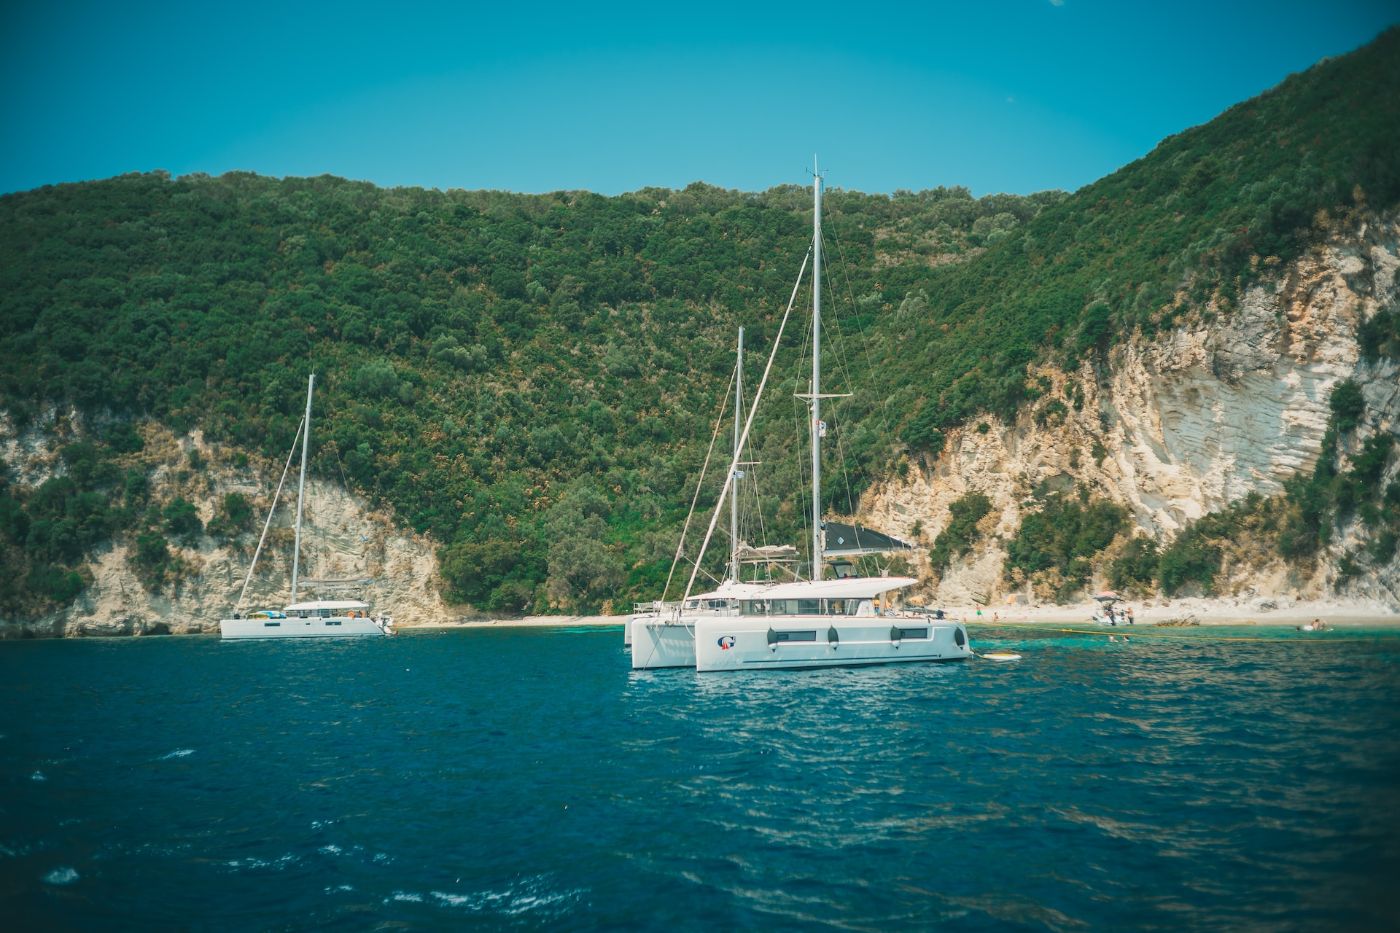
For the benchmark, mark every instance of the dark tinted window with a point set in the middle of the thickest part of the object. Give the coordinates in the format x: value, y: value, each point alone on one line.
x: 796, y: 636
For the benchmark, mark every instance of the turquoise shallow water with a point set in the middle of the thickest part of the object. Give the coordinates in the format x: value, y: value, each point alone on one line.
x: 527, y: 778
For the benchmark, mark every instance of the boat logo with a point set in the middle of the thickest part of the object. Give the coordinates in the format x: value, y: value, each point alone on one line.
x: 725, y: 642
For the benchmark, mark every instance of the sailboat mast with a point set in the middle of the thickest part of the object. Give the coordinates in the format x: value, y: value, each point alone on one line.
x: 816, y: 372
x: 734, y: 492
x: 301, y: 485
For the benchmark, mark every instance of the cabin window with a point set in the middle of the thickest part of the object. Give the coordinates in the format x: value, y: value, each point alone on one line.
x: 795, y: 636
x: 271, y: 624
x: 332, y: 621
x: 809, y: 607
x: 913, y: 633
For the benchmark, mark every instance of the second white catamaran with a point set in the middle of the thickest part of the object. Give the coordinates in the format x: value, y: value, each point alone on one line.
x: 847, y: 621
x: 317, y: 618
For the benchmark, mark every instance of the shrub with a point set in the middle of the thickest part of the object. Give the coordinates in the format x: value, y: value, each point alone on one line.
x: 55, y: 584
x: 1136, y: 566
x: 1347, y: 404
x: 1094, y: 329
x: 150, y: 560
x: 1189, y: 560
x: 1383, y: 547
x: 233, y: 517
x: 1380, y: 336
x: 1064, y: 534
x: 182, y: 521
x: 961, y: 533
x: 921, y: 435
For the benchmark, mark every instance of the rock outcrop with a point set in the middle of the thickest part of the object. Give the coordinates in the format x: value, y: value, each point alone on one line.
x: 1182, y: 425
x: 343, y: 538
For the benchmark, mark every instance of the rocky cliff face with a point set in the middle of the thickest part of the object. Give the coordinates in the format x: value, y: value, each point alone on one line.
x: 1183, y: 425
x: 342, y: 538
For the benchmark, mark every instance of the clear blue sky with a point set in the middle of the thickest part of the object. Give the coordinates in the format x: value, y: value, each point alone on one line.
x: 1001, y: 95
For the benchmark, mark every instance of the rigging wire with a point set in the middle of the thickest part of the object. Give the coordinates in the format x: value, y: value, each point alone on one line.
x: 699, y: 483
x: 843, y: 365
x: 864, y: 338
x: 748, y: 422
x: 268, y: 524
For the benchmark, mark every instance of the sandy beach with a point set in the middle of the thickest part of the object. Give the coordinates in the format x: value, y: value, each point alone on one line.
x: 1257, y: 611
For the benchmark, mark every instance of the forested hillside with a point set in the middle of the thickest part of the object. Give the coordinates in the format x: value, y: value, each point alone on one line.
x: 530, y: 379
x: 533, y: 379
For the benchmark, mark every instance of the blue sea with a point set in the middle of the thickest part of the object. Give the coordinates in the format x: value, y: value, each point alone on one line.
x: 526, y: 778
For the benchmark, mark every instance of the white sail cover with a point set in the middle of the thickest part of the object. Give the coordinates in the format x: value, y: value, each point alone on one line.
x: 768, y: 552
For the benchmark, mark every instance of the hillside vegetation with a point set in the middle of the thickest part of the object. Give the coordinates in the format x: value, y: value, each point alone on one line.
x: 530, y: 379
x: 533, y: 379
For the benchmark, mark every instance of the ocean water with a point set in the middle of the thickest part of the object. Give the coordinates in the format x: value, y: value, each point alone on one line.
x: 526, y: 778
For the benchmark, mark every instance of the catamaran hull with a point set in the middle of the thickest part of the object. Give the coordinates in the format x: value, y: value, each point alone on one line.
x: 758, y: 642
x: 657, y: 643
x: 301, y: 628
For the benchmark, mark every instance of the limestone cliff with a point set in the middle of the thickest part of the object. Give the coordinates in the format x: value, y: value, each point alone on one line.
x: 342, y: 538
x: 1182, y: 425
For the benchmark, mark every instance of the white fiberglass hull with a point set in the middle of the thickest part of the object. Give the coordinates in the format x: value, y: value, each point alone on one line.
x: 657, y: 643
x: 774, y: 642
x: 302, y: 628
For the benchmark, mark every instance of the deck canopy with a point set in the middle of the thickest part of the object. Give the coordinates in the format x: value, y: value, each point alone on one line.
x: 327, y: 604
x: 843, y: 588
x: 731, y: 590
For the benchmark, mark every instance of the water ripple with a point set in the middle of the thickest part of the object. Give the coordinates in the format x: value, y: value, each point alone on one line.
x: 527, y: 778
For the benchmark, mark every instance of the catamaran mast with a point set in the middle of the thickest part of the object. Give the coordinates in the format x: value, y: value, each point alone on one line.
x: 734, y: 492
x: 301, y: 485
x: 816, y: 372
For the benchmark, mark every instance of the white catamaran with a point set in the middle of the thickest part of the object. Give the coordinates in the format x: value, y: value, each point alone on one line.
x: 847, y: 621
x: 317, y: 618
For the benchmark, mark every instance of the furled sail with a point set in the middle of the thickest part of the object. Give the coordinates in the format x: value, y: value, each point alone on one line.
x: 774, y: 553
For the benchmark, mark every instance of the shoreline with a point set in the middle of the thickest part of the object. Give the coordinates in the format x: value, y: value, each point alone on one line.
x: 1204, y: 612
x: 1188, y: 612
x: 521, y: 622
